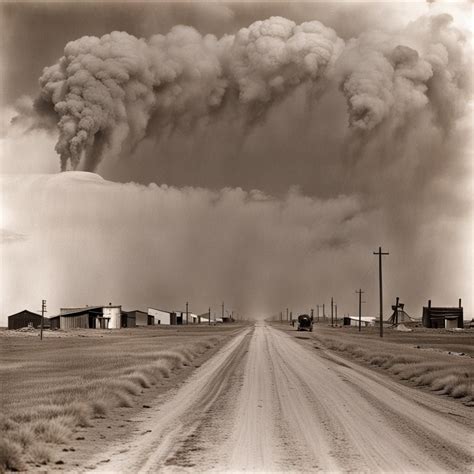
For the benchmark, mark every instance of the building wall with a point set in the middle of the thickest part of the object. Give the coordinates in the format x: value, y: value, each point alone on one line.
x: 160, y: 317
x: 21, y: 320
x: 115, y: 315
x: 55, y: 323
x: 436, y: 317
x: 141, y: 318
x: 73, y: 322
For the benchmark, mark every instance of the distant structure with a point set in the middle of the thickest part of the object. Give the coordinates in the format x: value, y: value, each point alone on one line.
x: 141, y: 318
x: 90, y: 317
x: 161, y: 316
x: 443, y: 317
x: 354, y: 321
x: 23, y: 319
x: 399, y: 315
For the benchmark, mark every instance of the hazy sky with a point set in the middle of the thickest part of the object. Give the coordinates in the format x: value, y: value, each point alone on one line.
x: 260, y: 163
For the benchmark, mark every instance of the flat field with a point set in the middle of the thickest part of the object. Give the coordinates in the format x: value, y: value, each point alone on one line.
x: 55, y: 388
x: 434, y: 359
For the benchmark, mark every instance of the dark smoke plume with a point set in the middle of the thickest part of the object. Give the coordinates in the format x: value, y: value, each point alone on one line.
x: 109, y: 93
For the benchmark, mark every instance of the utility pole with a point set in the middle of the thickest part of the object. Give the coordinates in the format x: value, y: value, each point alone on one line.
x: 312, y: 314
x: 187, y: 314
x: 317, y: 313
x: 222, y: 311
x: 380, y: 253
x: 287, y: 314
x: 43, y: 310
x: 335, y: 307
x: 332, y: 312
x: 324, y: 313
x: 360, y: 308
x: 209, y: 316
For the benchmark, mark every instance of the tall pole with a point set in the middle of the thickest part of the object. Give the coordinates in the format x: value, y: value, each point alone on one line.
x: 187, y: 314
x: 281, y: 316
x: 317, y: 313
x: 332, y: 312
x: 324, y: 313
x: 380, y: 253
x: 222, y: 311
x: 287, y: 314
x: 360, y: 308
x: 335, y: 309
x: 209, y: 316
x: 43, y: 310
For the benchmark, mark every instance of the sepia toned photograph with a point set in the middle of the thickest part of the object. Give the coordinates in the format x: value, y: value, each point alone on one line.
x: 236, y: 236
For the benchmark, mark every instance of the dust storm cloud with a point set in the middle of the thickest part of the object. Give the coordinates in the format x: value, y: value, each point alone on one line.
x: 353, y: 122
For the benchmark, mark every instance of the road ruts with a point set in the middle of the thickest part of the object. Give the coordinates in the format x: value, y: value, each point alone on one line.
x: 266, y: 403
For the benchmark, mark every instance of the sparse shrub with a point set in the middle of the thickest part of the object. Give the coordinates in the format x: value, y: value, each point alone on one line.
x: 51, y: 431
x: 7, y: 424
x: 123, y: 400
x: 126, y: 385
x: 439, y: 375
x: 99, y: 408
x: 463, y: 390
x: 23, y: 436
x: 40, y: 453
x: 140, y: 379
x: 10, y: 455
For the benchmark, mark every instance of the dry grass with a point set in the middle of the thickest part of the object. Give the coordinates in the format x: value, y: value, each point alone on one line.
x: 444, y: 374
x: 51, y: 388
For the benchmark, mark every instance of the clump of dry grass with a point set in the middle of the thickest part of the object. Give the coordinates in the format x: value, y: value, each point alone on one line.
x: 63, y: 393
x: 40, y: 453
x: 442, y: 376
x: 10, y: 455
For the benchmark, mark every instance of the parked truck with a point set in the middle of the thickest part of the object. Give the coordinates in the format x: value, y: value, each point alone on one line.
x: 304, y: 323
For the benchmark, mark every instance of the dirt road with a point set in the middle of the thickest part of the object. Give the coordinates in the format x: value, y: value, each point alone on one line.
x: 267, y: 403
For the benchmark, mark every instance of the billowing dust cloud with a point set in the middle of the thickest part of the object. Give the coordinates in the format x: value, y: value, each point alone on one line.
x: 110, y: 93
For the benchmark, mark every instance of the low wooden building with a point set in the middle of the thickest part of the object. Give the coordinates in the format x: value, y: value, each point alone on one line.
x: 443, y: 317
x: 23, y: 319
x: 128, y: 319
x: 141, y: 318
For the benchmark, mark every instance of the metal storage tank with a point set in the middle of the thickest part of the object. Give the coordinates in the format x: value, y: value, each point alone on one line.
x: 114, y: 315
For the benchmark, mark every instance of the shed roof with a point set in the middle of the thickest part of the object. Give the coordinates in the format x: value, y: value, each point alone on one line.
x: 25, y: 311
x: 88, y: 309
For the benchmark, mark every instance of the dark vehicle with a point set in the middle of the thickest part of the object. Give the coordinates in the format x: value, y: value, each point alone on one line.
x: 305, y: 323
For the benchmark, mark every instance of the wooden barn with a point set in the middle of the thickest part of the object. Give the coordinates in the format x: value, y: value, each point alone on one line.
x: 443, y: 317
x: 23, y: 319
